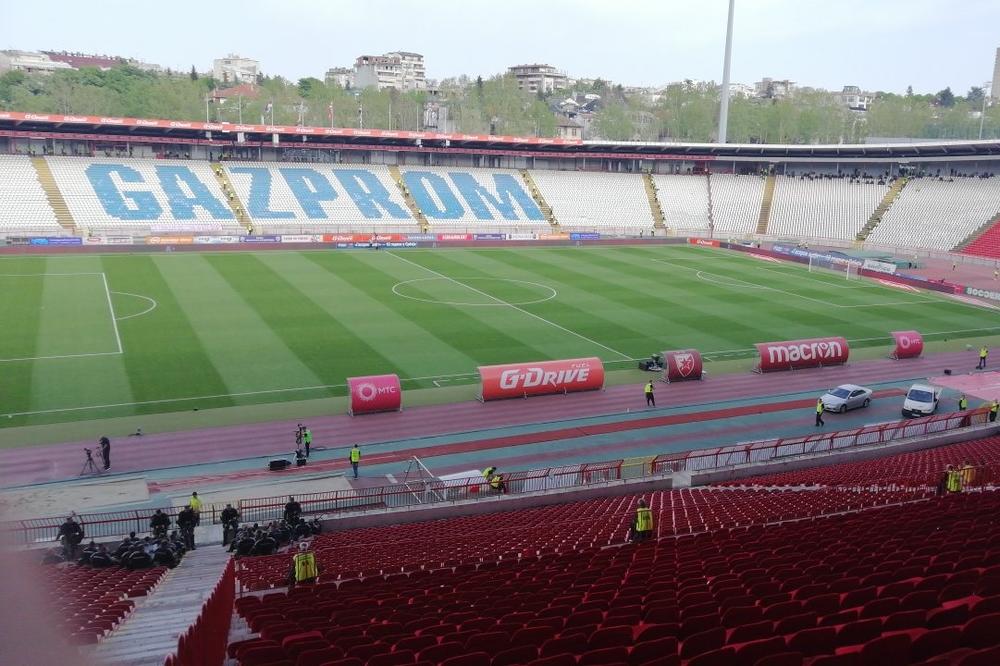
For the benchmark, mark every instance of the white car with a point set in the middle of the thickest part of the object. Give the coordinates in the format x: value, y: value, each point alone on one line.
x: 921, y: 400
x: 846, y: 396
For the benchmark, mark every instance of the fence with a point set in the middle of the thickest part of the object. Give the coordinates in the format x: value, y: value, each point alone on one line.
x: 433, y: 491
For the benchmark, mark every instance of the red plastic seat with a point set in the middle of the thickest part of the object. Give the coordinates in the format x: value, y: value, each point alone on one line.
x: 557, y: 660
x: 514, y: 656
x: 982, y: 631
x: 750, y: 653
x: 647, y: 651
x: 611, y: 637
x: 468, y: 659
x: 604, y: 656
x: 813, y: 642
x: 700, y: 643
x: 891, y: 649
x: 781, y: 659
x: 717, y: 657
x: 935, y: 642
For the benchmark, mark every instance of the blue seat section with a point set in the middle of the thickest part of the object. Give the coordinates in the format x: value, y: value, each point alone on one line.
x: 510, y: 193
x: 258, y: 203
x: 460, y: 195
x: 369, y: 195
x: 182, y: 190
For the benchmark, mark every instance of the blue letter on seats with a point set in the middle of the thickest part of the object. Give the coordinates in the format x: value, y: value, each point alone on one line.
x: 143, y: 204
x: 418, y: 181
x: 368, y: 194
x: 259, y: 201
x: 509, y: 192
x: 181, y: 205
x: 310, y: 187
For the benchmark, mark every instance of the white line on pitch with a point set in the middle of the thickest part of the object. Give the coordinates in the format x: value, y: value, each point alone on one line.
x: 43, y: 358
x: 138, y: 314
x: 114, y: 320
x: 43, y: 274
x: 511, y: 305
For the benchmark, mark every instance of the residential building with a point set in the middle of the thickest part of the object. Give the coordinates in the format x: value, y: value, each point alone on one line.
x: 412, y: 73
x: 29, y: 61
x: 855, y: 99
x: 741, y: 90
x: 341, y: 76
x: 539, y: 78
x: 568, y: 128
x: 773, y: 88
x: 235, y: 69
x: 401, y: 70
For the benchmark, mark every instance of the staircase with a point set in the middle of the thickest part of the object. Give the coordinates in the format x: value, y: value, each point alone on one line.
x: 654, y: 201
x: 415, y: 211
x: 711, y: 216
x: 983, y: 242
x: 150, y: 633
x: 536, y: 194
x: 765, y: 205
x: 52, y: 193
x: 230, y: 194
x: 890, y: 196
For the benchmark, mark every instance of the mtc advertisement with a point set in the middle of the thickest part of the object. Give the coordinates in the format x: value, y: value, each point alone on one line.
x: 521, y: 380
x: 909, y: 344
x: 797, y: 354
x: 374, y: 393
x: 705, y: 242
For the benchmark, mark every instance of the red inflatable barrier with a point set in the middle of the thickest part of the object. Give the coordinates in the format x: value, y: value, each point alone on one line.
x: 909, y: 344
x: 681, y: 364
x: 375, y: 393
x: 520, y: 380
x: 796, y: 354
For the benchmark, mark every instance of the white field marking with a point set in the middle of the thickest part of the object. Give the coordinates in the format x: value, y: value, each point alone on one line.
x: 45, y: 358
x: 138, y: 314
x: 897, y: 285
x: 114, y: 320
x: 42, y: 274
x: 511, y: 305
x: 753, y: 285
x: 552, y: 295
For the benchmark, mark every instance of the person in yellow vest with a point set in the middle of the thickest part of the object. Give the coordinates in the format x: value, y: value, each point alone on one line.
x: 983, y: 353
x: 650, y: 398
x: 195, y: 504
x: 642, y: 526
x: 993, y: 410
x: 355, y: 459
x: 819, y: 412
x: 497, y: 483
x: 967, y: 474
x: 954, y: 480
x: 963, y: 403
x: 304, y: 568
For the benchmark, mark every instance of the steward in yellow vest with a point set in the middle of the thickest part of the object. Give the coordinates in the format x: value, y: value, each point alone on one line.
x: 304, y: 568
x: 642, y: 527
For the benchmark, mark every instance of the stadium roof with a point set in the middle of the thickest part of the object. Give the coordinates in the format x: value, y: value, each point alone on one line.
x: 39, y: 125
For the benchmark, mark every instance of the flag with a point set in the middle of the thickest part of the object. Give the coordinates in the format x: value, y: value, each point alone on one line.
x: 329, y: 111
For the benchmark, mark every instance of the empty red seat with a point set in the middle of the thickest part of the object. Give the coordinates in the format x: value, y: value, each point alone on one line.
x: 515, y: 656
x: 812, y: 642
x: 468, y: 659
x: 604, y: 656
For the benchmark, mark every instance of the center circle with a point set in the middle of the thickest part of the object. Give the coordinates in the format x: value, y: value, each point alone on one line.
x: 475, y: 287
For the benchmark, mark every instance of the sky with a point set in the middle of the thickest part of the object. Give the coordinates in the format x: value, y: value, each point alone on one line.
x: 875, y: 44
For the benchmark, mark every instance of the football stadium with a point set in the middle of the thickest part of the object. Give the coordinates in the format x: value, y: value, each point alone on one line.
x: 291, y: 395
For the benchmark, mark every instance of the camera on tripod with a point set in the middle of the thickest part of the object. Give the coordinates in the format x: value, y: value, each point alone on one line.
x: 88, y: 452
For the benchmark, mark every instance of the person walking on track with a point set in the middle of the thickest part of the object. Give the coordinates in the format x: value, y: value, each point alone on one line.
x: 983, y: 353
x: 650, y: 398
x: 355, y: 459
x: 819, y: 412
x: 307, y: 439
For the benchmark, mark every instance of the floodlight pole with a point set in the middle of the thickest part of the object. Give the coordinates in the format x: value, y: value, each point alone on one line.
x: 982, y: 115
x: 724, y: 104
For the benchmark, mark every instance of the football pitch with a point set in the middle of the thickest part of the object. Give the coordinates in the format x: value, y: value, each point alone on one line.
x: 94, y: 336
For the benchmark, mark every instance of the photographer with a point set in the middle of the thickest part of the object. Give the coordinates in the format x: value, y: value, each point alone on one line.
x: 105, y: 451
x: 71, y: 536
x: 186, y: 520
x: 159, y: 524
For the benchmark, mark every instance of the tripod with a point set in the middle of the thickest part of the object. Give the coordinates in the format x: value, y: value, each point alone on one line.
x: 89, y: 467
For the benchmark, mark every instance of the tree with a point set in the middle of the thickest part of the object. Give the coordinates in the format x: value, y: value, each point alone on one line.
x: 909, y: 91
x: 614, y: 123
x: 479, y: 86
x: 194, y: 73
x: 975, y: 96
x: 945, y: 98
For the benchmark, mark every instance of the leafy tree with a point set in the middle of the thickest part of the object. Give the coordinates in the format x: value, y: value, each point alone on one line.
x: 945, y: 98
x: 194, y: 73
x: 975, y: 96
x: 909, y: 91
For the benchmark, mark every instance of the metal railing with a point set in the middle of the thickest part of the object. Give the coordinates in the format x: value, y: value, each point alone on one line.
x: 424, y: 492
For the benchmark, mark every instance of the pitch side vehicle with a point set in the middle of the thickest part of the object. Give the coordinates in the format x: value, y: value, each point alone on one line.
x: 845, y: 397
x: 921, y: 400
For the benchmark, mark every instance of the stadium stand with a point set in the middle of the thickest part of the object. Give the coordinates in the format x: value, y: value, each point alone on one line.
x: 588, y: 524
x: 823, y: 207
x: 684, y: 200
x: 938, y: 214
x: 90, y: 603
x: 735, y: 202
x: 25, y: 207
x: 303, y: 195
x: 133, y: 195
x: 900, y: 584
x: 913, y: 469
x: 470, y: 197
x: 986, y: 244
x: 584, y: 200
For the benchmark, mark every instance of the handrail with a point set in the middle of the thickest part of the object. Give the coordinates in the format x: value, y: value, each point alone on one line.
x: 424, y: 492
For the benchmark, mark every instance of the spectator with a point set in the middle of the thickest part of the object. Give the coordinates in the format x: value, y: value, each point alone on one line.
x: 88, y: 550
x: 301, y: 530
x: 159, y: 524
x: 316, y: 526
x: 265, y: 544
x: 292, y: 510
x: 71, y: 536
x: 101, y: 558
x: 243, y: 544
x: 137, y: 558
x: 164, y: 555
x: 230, y: 521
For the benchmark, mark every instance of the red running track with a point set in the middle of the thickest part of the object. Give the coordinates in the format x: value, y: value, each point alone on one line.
x: 154, y: 451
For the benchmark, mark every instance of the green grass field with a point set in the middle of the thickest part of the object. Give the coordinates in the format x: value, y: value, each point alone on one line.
x: 89, y: 336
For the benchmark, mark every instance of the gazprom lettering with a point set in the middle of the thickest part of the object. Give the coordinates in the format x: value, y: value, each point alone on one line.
x: 531, y: 377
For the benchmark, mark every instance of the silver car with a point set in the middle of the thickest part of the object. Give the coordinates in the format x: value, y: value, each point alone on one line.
x: 846, y: 396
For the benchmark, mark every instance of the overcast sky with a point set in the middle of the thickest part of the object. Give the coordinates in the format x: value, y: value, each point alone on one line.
x: 875, y: 44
